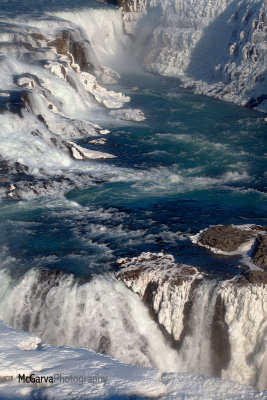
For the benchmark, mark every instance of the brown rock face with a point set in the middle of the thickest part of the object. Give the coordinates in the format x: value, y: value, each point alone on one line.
x: 252, y: 277
x: 38, y: 36
x: 220, y: 344
x: 79, y: 51
x: 227, y: 238
x: 259, y: 254
x: 61, y: 45
x: 162, y: 284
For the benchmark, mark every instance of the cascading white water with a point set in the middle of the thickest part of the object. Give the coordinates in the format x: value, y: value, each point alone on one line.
x: 101, y: 315
x: 218, y: 327
x: 246, y: 317
x: 104, y: 29
x: 196, y: 348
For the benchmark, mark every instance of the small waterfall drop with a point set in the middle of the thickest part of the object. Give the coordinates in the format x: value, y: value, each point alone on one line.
x: 196, y: 349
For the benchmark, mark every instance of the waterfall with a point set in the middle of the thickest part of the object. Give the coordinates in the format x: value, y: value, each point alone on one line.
x: 105, y: 316
x: 196, y: 350
x: 102, y: 315
x: 105, y: 32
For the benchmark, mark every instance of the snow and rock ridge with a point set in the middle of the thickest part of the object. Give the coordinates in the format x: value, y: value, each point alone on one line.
x: 164, y: 286
x: 218, y: 48
x: 217, y: 320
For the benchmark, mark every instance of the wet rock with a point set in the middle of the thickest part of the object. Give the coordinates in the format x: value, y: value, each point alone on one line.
x: 227, y: 238
x: 259, y: 228
x: 19, y: 168
x: 27, y: 46
x: 220, y: 344
x: 13, y: 192
x: 38, y: 36
x: 61, y: 45
x: 252, y: 277
x: 160, y: 267
x: 127, y: 5
x: 4, y: 167
x: 259, y: 254
x: 78, y: 49
x: 51, y: 277
x: 80, y: 53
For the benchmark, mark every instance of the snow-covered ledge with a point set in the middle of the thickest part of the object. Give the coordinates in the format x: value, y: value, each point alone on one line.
x: 84, y: 374
x: 77, y: 373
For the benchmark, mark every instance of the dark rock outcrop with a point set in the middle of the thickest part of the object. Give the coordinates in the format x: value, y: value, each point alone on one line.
x: 79, y: 49
x: 259, y: 254
x: 251, y: 277
x: 230, y: 238
x: 220, y: 344
x: 80, y: 52
x: 38, y: 36
x: 61, y: 45
x: 226, y: 238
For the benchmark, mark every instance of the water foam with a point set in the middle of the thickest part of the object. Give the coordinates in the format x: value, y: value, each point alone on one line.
x: 101, y: 315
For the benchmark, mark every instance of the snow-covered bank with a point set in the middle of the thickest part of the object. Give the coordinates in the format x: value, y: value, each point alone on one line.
x: 219, y: 48
x: 76, y: 373
x: 83, y: 374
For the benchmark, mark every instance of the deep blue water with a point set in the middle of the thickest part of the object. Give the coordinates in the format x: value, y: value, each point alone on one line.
x: 13, y: 8
x: 194, y: 162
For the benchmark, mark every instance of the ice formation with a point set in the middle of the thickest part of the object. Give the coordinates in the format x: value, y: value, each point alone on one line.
x: 218, y: 326
x: 218, y: 48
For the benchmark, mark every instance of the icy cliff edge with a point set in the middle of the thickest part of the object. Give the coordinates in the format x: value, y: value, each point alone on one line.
x: 218, y: 47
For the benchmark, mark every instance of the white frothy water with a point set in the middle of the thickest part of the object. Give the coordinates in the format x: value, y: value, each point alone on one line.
x: 101, y: 315
x: 196, y: 349
x: 104, y: 29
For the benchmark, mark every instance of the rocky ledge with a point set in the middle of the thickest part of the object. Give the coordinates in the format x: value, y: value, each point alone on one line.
x: 231, y: 239
x: 184, y: 301
x: 165, y: 286
x: 259, y: 253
